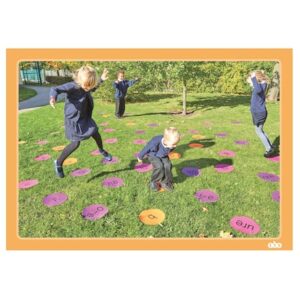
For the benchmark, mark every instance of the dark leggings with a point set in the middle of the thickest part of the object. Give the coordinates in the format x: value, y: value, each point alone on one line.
x: 68, y: 150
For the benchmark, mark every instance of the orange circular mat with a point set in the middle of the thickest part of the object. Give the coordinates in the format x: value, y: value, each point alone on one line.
x: 152, y: 216
x: 196, y: 145
x: 174, y: 155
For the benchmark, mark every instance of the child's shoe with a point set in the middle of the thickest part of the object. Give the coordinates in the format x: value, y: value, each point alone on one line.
x: 154, y: 186
x: 106, y: 155
x: 58, y: 170
x: 168, y: 187
x: 270, y: 153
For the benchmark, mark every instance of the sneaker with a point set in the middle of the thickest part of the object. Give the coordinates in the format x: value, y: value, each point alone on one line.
x: 167, y: 187
x: 106, y: 155
x: 154, y: 186
x: 270, y: 153
x: 58, y: 170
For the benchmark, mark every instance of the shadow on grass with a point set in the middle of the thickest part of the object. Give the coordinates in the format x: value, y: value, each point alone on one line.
x: 276, y: 145
x: 200, y: 163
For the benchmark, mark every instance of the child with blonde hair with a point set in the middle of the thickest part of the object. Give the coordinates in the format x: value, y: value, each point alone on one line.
x: 259, y: 82
x: 157, y: 150
x: 78, y: 109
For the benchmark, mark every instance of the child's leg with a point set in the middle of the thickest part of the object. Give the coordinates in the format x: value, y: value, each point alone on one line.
x: 97, y: 137
x: 67, y: 151
x: 168, y: 179
x: 158, y: 169
x: 122, y: 106
x: 117, y: 109
x: 263, y: 137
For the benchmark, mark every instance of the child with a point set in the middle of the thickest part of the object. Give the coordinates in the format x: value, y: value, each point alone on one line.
x: 121, y: 85
x: 258, y: 80
x: 79, y: 105
x: 158, y: 149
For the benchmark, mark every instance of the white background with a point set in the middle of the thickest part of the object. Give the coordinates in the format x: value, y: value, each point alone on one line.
x: 148, y: 274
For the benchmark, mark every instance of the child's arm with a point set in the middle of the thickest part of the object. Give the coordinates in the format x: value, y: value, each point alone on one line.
x: 147, y: 149
x: 257, y: 87
x: 132, y: 82
x: 55, y: 91
x: 103, y: 77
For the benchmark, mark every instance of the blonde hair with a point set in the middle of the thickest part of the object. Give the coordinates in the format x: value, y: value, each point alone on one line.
x: 171, y: 134
x: 86, y: 77
x: 261, y: 76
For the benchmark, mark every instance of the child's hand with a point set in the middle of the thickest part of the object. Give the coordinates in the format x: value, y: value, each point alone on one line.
x: 252, y: 74
x: 52, y: 102
x: 137, y: 79
x: 104, y: 75
x: 139, y: 160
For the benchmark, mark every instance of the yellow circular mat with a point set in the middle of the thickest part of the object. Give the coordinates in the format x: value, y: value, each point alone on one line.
x: 58, y: 148
x: 70, y: 161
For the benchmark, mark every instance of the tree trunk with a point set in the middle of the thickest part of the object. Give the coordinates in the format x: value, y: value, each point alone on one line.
x: 184, y: 92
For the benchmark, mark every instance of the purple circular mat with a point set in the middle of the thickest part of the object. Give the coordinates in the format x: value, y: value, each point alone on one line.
x: 109, y: 130
x: 152, y: 125
x: 111, y: 141
x: 242, y: 142
x: 139, y: 142
x: 268, y: 177
x: 190, y: 171
x: 227, y: 153
x: 276, y: 196
x: 143, y: 167
x: 112, y: 182
x: 274, y: 158
x: 224, y: 168
x: 140, y: 131
x: 113, y: 161
x: 26, y: 184
x: 244, y: 225
x: 80, y: 172
x: 221, y: 134
x: 42, y: 157
x: 55, y: 199
x: 94, y: 212
x: 43, y: 142
x: 206, y: 196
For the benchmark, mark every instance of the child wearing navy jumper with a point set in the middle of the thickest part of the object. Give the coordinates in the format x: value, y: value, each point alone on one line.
x: 79, y: 105
x: 157, y: 150
x: 121, y: 86
x: 258, y: 80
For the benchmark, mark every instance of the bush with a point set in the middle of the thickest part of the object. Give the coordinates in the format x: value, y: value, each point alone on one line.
x: 58, y: 80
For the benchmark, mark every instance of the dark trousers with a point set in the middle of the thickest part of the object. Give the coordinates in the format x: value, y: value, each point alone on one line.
x: 68, y: 150
x: 120, y: 107
x: 162, y: 170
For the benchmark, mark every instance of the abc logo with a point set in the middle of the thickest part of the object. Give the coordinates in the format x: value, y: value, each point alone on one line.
x: 274, y: 245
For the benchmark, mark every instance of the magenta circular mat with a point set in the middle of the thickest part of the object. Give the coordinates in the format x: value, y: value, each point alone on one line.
x: 190, y: 171
x: 244, y: 224
x: 139, y: 142
x: 136, y: 154
x: 94, y: 212
x: 55, y: 199
x: 80, y: 172
x: 242, y: 142
x: 42, y: 157
x: 206, y: 196
x: 95, y: 152
x: 26, y: 184
x: 109, y: 130
x: 227, y: 153
x: 268, y: 177
x: 143, y: 167
x: 274, y: 158
x: 113, y: 161
x: 236, y: 122
x: 276, y: 196
x: 111, y: 141
x: 193, y: 131
x: 112, y: 182
x: 224, y: 168
x: 140, y: 131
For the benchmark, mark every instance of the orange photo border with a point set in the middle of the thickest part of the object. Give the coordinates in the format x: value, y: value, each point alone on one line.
x: 14, y: 242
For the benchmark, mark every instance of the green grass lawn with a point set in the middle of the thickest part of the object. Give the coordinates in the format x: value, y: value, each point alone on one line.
x: 26, y: 93
x: 240, y: 192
